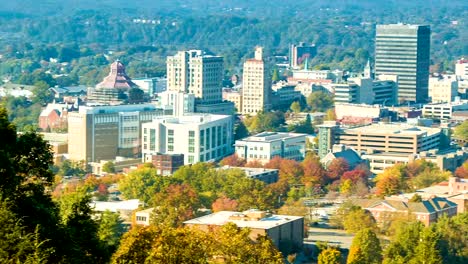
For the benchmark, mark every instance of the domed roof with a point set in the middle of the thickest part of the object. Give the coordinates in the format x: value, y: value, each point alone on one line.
x: 117, y: 78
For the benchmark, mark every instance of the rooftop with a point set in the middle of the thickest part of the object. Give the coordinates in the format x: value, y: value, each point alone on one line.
x: 189, y: 119
x: 129, y: 205
x: 394, y: 129
x: 223, y: 217
x: 271, y: 136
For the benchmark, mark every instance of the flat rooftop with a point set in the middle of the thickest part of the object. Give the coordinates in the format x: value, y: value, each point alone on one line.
x: 223, y: 217
x: 393, y: 129
x: 189, y: 119
x: 271, y: 136
x: 249, y: 171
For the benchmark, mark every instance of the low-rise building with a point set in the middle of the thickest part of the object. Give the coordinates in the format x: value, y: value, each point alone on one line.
x: 143, y: 217
x: 207, y: 137
x: 119, y: 163
x: 265, y: 175
x: 427, y: 211
x: 165, y: 164
x: 340, y: 151
x: 281, y: 229
x: 123, y: 208
x: 266, y: 145
x: 379, y: 161
x: 443, y: 89
x: 234, y: 96
x: 444, y: 110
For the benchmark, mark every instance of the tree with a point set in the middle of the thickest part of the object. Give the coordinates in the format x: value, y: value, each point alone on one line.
x: 453, y: 240
x: 232, y: 160
x: 427, y: 249
x: 337, y: 168
x: 295, y: 107
x: 135, y: 95
x: 110, y: 229
x: 240, y: 130
x: 358, y: 219
x: 41, y: 93
x: 462, y: 171
x: 175, y: 204
x: 330, y: 115
x: 136, y: 245
x: 365, y: 248
x: 330, y: 255
x: 320, y: 101
x: 461, y: 131
x: 108, y: 167
x: 314, y: 173
x: 224, y: 204
x: 275, y: 76
x: 391, y: 180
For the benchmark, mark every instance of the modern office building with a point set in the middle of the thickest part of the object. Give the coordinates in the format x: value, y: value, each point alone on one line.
x: 279, y: 228
x: 404, y: 50
x: 298, y: 54
x: 151, y: 85
x: 443, y: 89
x: 265, y: 146
x: 199, y: 137
x: 104, y: 132
x: 256, y: 85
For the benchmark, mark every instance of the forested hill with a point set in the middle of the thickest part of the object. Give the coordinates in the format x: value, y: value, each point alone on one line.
x: 342, y: 29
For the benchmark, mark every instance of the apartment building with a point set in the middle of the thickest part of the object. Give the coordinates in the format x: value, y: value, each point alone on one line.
x: 199, y: 137
x: 256, y: 85
x: 265, y: 146
x: 366, y: 91
x: 104, y: 132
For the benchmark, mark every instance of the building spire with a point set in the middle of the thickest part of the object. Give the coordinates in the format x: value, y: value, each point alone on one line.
x: 368, y: 70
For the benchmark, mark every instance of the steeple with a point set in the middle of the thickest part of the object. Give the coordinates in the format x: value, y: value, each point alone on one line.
x: 368, y: 70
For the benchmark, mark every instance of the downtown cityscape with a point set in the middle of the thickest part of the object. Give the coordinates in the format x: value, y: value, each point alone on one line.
x: 234, y: 131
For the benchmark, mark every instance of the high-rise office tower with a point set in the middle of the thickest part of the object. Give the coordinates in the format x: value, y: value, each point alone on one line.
x: 403, y: 50
x: 256, y: 85
x: 193, y: 72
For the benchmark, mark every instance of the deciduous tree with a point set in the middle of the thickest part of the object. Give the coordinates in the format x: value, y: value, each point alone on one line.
x: 330, y: 255
x: 365, y: 248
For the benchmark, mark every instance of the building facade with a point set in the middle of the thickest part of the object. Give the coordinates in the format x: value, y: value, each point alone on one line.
x: 265, y: 146
x: 444, y: 110
x: 366, y: 91
x: 443, y: 90
x: 165, y: 164
x: 104, y: 132
x: 207, y: 137
x: 256, y: 85
x: 461, y: 69
x: 404, y: 50
x: 299, y: 53
x: 394, y: 138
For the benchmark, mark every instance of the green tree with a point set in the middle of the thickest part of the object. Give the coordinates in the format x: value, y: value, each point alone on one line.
x: 136, y: 245
x: 320, y: 101
x: 275, y: 76
x: 453, y: 242
x: 461, y: 131
x: 240, y: 130
x: 108, y: 167
x: 295, y: 107
x: 41, y: 93
x: 110, y: 229
x: 358, y: 219
x: 365, y: 248
x: 427, y: 249
x: 402, y: 247
x: 330, y: 255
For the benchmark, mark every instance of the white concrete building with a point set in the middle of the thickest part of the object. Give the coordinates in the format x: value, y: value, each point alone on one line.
x: 180, y: 102
x: 444, y: 110
x: 366, y: 91
x: 264, y: 146
x: 443, y: 90
x: 200, y: 137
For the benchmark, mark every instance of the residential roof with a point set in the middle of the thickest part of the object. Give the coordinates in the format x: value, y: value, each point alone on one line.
x: 431, y: 205
x: 117, y: 78
x: 349, y: 155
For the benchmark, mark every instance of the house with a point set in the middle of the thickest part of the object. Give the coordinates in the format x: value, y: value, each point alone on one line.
x: 427, y: 211
x: 281, y: 229
x: 143, y: 217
